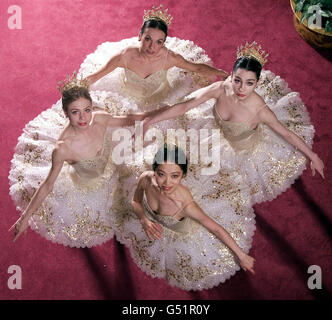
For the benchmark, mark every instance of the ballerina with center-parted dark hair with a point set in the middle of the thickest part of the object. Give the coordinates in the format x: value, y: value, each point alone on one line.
x: 63, y: 181
x: 266, y: 128
x: 149, y: 68
x: 194, y: 243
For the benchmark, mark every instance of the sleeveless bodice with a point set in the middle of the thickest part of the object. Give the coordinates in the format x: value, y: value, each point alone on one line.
x: 147, y: 90
x: 183, y: 225
x: 240, y: 135
x: 89, y: 170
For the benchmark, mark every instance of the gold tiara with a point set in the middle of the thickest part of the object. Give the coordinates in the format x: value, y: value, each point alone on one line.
x: 158, y: 14
x: 72, y: 82
x: 252, y: 50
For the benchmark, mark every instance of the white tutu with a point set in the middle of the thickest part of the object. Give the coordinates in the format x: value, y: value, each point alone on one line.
x: 76, y: 212
x: 269, y: 165
x: 188, y: 255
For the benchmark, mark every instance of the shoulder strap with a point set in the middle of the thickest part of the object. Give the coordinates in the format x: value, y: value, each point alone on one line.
x: 165, y: 58
x: 182, y: 208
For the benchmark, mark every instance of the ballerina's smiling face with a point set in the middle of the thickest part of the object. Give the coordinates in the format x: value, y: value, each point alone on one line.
x: 80, y: 113
x: 152, y: 40
x: 168, y: 176
x: 244, y: 83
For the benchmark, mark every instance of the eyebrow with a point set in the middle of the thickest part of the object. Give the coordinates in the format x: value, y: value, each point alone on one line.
x: 79, y: 109
x: 156, y: 40
x: 246, y: 80
x: 170, y: 173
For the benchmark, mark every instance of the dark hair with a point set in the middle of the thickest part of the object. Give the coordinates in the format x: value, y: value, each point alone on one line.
x: 173, y: 154
x: 154, y: 24
x: 249, y: 64
x: 73, y: 94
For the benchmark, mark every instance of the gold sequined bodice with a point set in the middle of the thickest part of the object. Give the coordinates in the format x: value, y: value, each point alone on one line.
x: 184, y: 225
x: 86, y: 171
x: 151, y: 89
x: 240, y: 135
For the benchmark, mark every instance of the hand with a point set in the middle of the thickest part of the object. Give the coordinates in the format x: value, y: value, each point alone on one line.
x: 247, y: 263
x: 20, y: 226
x: 152, y: 229
x: 317, y: 164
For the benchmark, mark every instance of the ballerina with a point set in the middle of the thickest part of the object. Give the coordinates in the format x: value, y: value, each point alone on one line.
x: 171, y: 237
x: 64, y: 186
x: 266, y: 127
x: 143, y: 68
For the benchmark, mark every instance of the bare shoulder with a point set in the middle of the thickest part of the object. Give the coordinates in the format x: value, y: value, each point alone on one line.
x: 219, y: 87
x: 172, y: 55
x: 258, y: 103
x: 61, y: 150
x: 100, y: 116
x: 185, y: 194
x: 130, y: 51
x: 175, y: 59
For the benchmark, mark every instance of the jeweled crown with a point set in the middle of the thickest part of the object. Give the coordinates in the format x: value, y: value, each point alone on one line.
x: 252, y: 50
x: 158, y: 14
x: 72, y: 82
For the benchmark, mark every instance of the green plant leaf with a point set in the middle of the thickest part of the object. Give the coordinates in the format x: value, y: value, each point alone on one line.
x: 326, y: 4
x: 323, y: 13
x: 299, y: 5
x: 328, y: 26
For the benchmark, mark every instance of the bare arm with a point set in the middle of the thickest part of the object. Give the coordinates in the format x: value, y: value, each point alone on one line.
x: 114, y: 62
x: 205, y: 69
x: 268, y: 117
x: 195, y: 212
x: 118, y: 121
x: 42, y: 192
x: 212, y: 91
x: 152, y: 229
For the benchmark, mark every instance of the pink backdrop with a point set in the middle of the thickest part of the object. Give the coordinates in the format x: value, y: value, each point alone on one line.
x: 293, y: 231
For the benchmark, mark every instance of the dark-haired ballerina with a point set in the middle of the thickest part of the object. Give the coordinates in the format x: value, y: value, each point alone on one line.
x: 142, y: 68
x: 170, y: 236
x: 267, y: 130
x: 63, y: 182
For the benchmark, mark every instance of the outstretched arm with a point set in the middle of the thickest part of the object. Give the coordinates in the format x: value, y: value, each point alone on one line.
x: 195, y: 212
x: 212, y: 91
x: 268, y: 117
x: 118, y: 121
x: 202, y: 68
x: 42, y: 192
x: 152, y: 229
x: 114, y: 62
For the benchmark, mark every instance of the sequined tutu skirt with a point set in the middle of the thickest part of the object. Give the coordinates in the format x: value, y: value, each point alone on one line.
x: 188, y: 256
x: 269, y: 165
x: 73, y: 214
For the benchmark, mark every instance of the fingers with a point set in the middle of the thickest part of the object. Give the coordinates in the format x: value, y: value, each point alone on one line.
x: 252, y: 270
x: 312, y: 168
x: 154, y: 231
x: 17, y: 234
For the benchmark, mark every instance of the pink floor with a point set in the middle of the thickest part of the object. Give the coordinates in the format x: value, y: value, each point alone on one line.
x: 293, y: 231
